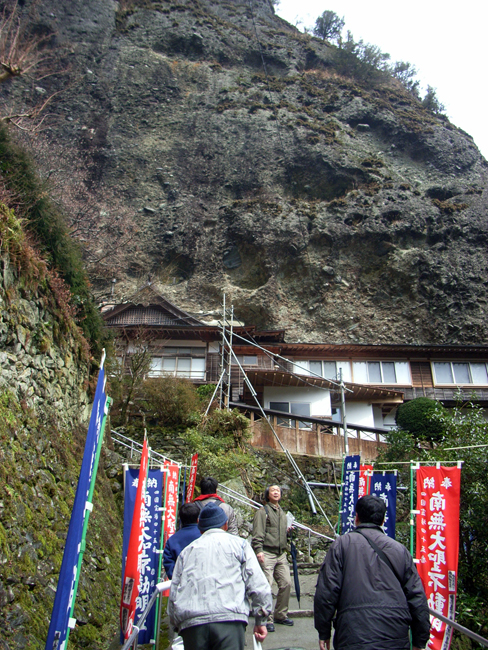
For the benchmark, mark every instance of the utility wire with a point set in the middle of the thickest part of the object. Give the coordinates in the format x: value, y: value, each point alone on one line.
x: 272, y: 355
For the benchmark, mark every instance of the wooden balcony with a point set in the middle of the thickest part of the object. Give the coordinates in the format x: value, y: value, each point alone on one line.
x: 311, y: 436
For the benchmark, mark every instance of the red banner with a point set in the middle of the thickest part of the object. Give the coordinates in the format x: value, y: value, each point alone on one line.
x: 170, y: 503
x: 438, y: 493
x: 132, y: 573
x: 193, y: 478
x: 365, y: 474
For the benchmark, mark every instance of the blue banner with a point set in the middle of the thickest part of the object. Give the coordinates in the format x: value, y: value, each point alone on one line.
x: 65, y: 592
x: 350, y: 489
x: 384, y: 486
x: 151, y: 542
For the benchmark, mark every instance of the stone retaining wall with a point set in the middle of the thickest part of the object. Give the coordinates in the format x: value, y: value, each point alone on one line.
x: 40, y: 358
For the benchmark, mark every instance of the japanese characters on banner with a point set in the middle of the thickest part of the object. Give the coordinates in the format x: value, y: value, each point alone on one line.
x: 192, y: 479
x: 438, y: 493
x: 350, y: 489
x: 170, y: 502
x: 133, y: 562
x: 365, y: 474
x: 151, y: 541
x: 384, y: 486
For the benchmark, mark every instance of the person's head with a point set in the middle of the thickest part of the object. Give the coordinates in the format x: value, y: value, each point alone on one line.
x: 272, y: 493
x: 370, y: 509
x: 208, y: 485
x: 189, y: 513
x: 212, y: 516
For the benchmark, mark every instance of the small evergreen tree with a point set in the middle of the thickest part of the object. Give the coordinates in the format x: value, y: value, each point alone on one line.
x: 328, y: 26
x: 431, y: 102
x: 405, y: 72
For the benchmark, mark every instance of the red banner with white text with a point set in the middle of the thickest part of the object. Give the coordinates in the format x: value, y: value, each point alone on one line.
x: 132, y: 573
x: 438, y: 494
x: 365, y: 474
x: 170, y: 502
x: 193, y: 478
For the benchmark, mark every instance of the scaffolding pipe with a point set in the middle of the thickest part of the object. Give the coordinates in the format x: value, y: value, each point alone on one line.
x: 311, y: 497
x: 343, y: 408
x: 229, y: 359
x: 222, y: 358
x: 232, y: 494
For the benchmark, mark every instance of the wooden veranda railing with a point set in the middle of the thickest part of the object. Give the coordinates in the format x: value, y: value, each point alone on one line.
x: 310, y: 435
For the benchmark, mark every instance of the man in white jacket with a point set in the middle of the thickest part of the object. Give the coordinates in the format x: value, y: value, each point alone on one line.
x: 214, y: 579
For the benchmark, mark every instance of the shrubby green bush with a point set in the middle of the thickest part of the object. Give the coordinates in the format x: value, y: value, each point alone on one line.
x: 220, y: 440
x: 170, y: 401
x: 416, y: 418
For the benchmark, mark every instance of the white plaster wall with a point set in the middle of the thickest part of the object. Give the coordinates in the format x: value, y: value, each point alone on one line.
x: 360, y: 413
x: 318, y: 399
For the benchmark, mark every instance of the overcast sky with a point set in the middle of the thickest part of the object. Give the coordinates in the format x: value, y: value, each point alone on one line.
x: 445, y: 41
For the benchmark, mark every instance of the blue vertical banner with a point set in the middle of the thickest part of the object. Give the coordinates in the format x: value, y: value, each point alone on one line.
x: 384, y: 486
x: 350, y: 488
x: 68, y: 576
x: 151, y: 541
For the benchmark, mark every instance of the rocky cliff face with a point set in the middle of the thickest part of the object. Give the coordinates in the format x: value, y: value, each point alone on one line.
x: 334, y: 207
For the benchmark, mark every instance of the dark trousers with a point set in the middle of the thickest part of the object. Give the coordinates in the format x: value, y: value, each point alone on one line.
x: 215, y: 636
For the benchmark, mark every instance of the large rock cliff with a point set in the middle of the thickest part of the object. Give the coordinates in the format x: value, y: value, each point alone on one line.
x: 320, y: 201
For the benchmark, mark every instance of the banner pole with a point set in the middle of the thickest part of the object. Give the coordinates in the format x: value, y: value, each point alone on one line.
x: 157, y: 618
x: 411, y: 508
x: 340, y: 496
x: 161, y: 547
x: 159, y: 602
x: 89, y: 508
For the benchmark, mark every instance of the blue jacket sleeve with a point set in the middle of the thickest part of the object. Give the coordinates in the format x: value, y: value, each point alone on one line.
x: 169, y: 559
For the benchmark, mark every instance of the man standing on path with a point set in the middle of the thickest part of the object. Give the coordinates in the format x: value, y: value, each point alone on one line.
x: 208, y: 488
x: 214, y: 579
x: 370, y: 583
x: 269, y: 542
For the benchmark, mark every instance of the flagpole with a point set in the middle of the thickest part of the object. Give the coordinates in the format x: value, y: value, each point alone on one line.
x: 161, y: 547
x: 157, y: 618
x: 88, y: 509
x: 340, y: 496
x: 411, y: 507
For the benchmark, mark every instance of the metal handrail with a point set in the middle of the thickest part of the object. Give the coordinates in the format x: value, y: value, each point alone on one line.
x: 460, y: 628
x: 159, y: 588
x: 136, y: 447
x: 237, y: 496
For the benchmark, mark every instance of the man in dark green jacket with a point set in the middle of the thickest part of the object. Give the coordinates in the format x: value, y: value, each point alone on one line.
x: 269, y: 543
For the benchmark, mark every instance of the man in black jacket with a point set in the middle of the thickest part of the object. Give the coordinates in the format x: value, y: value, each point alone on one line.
x: 376, y: 595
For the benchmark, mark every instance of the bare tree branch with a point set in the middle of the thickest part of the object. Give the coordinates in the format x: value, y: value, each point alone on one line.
x: 20, y: 52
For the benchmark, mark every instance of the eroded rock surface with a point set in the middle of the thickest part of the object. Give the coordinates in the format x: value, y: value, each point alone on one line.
x: 339, y: 210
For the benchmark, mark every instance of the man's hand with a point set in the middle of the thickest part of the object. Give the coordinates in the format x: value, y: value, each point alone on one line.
x: 324, y: 645
x: 260, y: 632
x: 260, y: 557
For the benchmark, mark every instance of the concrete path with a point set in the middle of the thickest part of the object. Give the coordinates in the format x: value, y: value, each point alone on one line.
x: 303, y: 635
